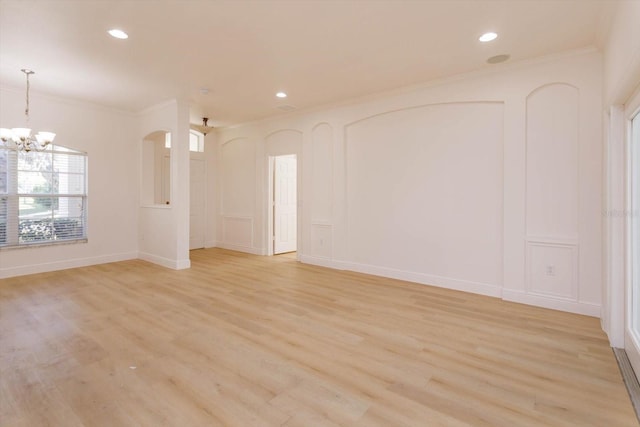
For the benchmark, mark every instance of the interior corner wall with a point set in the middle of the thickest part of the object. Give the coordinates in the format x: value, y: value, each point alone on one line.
x: 622, y: 53
x: 450, y: 184
x: 107, y: 136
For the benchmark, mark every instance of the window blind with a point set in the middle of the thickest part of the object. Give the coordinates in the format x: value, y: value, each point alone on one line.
x: 43, y: 196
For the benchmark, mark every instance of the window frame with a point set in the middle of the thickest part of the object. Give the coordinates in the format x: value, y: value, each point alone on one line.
x: 192, y: 133
x: 16, y: 225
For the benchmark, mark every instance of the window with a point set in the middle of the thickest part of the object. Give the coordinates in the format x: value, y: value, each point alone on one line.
x: 43, y: 196
x: 4, y: 190
x: 196, y: 141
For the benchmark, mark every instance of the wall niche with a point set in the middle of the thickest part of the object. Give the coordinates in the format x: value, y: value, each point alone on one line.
x: 156, y: 169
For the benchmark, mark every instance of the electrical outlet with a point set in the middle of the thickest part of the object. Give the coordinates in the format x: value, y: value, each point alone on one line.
x: 551, y: 270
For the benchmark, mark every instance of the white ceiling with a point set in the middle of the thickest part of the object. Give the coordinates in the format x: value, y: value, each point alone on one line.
x: 319, y: 52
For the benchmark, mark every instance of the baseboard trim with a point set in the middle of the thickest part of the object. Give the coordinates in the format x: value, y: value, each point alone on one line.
x: 319, y: 261
x: 241, y: 248
x: 586, y: 309
x: 183, y: 264
x: 64, y: 265
x: 179, y: 264
x: 409, y: 276
x: 629, y: 377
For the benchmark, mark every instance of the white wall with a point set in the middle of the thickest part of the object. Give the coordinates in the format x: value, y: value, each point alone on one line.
x: 450, y: 184
x: 163, y: 230
x: 421, y: 181
x: 108, y: 136
x: 621, y: 79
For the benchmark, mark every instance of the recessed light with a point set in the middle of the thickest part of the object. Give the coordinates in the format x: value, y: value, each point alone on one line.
x: 281, y: 95
x: 119, y: 34
x: 487, y: 37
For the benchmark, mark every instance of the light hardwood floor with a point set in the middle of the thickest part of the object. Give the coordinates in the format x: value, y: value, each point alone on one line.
x: 242, y: 340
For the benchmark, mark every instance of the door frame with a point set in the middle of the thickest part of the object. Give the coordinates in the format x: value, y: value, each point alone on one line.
x: 270, y: 202
x: 631, y: 339
x: 199, y: 156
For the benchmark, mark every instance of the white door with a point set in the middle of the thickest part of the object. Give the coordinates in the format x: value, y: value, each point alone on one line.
x: 197, y: 188
x: 285, y: 208
x: 632, y: 335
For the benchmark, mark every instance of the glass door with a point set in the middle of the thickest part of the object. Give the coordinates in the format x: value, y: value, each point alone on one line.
x: 632, y: 336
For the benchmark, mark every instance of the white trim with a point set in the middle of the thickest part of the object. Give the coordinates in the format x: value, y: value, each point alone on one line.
x: 73, y: 102
x: 558, y: 244
x: 270, y: 204
x: 66, y: 264
x: 584, y: 308
x: 421, y: 278
x: 240, y: 248
x: 155, y: 107
x: 631, y: 343
x: 437, y: 82
x: 613, y: 313
x: 210, y: 244
x: 632, y: 353
x: 174, y: 264
x: 183, y: 264
x: 554, y: 240
x: 588, y: 309
x: 319, y: 261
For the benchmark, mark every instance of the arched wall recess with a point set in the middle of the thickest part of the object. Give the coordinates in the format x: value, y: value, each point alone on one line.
x: 237, y: 193
x: 552, y: 191
x: 429, y: 180
x: 283, y: 141
x: 322, y: 176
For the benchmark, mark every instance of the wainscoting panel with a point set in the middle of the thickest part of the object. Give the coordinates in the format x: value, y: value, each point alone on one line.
x: 322, y: 173
x: 237, y: 231
x: 552, y: 269
x: 552, y: 161
x: 321, y: 240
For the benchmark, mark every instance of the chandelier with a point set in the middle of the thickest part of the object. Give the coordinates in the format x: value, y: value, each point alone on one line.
x: 21, y: 138
x: 204, y: 128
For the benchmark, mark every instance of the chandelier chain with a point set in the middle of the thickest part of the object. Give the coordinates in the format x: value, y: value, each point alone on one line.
x: 26, y: 110
x: 21, y: 138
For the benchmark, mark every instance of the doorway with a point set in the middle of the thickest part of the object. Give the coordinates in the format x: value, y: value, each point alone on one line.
x: 283, y: 219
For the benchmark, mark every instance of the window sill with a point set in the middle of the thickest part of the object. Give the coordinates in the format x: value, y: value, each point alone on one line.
x: 43, y: 244
x: 155, y: 206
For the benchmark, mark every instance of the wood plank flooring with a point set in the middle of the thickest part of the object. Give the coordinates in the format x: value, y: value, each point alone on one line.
x: 242, y: 340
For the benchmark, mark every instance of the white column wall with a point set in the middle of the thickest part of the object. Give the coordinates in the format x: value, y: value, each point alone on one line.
x: 163, y: 230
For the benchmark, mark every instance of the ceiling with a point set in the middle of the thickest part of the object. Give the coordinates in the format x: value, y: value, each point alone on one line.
x: 319, y: 52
